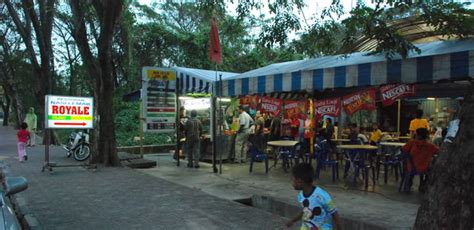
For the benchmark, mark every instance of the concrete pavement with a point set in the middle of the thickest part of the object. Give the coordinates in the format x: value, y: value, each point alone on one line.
x: 119, y: 198
x: 382, y: 207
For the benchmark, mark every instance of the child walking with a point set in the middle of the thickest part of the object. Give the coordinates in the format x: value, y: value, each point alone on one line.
x: 23, y: 136
x: 318, y: 208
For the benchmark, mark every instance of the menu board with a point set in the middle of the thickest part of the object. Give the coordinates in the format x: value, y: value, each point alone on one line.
x: 159, y: 99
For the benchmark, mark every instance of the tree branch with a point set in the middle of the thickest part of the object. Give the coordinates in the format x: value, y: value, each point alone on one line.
x: 22, y: 30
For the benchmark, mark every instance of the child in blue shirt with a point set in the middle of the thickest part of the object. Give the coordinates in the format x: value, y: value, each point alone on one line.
x: 318, y: 208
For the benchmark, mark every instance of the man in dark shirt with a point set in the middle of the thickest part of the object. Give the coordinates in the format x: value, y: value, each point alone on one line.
x: 193, y: 132
x: 329, y: 129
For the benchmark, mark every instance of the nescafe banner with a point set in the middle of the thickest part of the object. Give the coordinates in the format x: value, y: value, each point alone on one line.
x: 330, y: 107
x: 362, y: 100
x: 271, y: 105
x: 295, y: 109
x: 391, y: 93
x: 250, y: 101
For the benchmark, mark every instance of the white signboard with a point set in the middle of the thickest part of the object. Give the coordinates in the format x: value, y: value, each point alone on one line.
x: 159, y: 99
x: 64, y: 112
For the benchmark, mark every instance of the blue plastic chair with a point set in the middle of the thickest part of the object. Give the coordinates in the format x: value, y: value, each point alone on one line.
x: 286, y: 154
x: 390, y: 161
x: 322, y: 151
x: 408, y: 175
x: 257, y: 155
x: 362, y: 161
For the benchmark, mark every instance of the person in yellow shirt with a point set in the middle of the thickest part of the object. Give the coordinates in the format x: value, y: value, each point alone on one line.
x: 418, y: 123
x: 375, y: 135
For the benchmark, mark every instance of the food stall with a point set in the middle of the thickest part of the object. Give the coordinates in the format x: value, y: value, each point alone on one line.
x: 439, y: 63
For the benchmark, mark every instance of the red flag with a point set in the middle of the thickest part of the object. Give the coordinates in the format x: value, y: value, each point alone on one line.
x: 215, y: 51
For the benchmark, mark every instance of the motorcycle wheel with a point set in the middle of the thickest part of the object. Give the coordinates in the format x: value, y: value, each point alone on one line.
x: 81, y: 153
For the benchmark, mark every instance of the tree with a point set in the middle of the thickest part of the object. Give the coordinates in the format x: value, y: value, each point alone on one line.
x: 108, y: 14
x: 8, y: 73
x: 38, y: 17
x: 448, y: 202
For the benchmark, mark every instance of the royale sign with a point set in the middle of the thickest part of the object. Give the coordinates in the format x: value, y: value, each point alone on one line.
x: 69, y: 112
x: 393, y: 92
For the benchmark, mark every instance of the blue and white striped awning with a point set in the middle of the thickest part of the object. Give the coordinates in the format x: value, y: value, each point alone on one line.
x: 448, y: 60
x: 198, y: 80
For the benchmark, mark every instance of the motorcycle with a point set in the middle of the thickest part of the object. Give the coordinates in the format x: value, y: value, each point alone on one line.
x: 78, y: 145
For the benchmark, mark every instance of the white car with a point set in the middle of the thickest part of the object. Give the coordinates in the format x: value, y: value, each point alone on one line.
x: 12, y: 185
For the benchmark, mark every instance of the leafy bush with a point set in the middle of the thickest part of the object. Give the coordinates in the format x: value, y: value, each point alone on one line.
x: 127, y: 127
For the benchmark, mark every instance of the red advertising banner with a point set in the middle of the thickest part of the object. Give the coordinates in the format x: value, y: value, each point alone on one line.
x: 250, y: 101
x: 330, y: 107
x: 293, y: 108
x: 360, y: 100
x: 393, y: 92
x: 271, y: 105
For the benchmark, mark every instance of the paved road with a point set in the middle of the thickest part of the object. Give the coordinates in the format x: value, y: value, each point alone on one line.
x: 120, y: 198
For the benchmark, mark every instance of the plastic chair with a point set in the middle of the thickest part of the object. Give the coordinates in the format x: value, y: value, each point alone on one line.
x: 257, y: 155
x: 389, y: 161
x: 322, y: 151
x: 408, y: 175
x: 361, y: 160
x: 286, y: 154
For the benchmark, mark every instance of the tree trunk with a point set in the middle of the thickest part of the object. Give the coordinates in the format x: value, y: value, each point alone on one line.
x: 6, y: 110
x: 42, y: 21
x: 108, y: 12
x: 449, y: 200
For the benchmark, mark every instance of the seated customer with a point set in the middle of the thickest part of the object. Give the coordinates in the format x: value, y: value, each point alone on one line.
x: 421, y: 151
x: 353, y: 132
x: 439, y: 140
x: 375, y: 135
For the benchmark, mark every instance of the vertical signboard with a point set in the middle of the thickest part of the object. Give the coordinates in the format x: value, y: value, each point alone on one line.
x: 159, y: 99
x: 64, y: 112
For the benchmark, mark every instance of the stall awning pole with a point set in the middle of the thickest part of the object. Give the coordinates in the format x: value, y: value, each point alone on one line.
x: 398, y: 116
x: 213, y: 124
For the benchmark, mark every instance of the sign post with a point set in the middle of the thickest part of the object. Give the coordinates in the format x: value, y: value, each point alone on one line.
x: 160, y: 103
x: 65, y: 112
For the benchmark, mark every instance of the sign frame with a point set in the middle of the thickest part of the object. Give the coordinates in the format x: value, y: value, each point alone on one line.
x: 65, y: 119
x: 168, y: 111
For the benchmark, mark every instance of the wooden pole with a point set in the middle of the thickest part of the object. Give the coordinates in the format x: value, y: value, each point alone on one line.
x: 398, y: 116
x: 141, y: 128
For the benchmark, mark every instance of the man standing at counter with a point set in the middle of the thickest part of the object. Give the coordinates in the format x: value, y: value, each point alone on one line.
x: 242, y: 136
x: 193, y: 132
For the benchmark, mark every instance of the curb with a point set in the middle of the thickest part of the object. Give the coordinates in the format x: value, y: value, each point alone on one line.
x: 27, y: 219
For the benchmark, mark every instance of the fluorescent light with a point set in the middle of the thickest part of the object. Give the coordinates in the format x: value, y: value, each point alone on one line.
x: 197, y: 104
x: 431, y: 98
x: 224, y: 99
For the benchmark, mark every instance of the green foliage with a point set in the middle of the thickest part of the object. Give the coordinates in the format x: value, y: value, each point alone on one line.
x: 379, y: 24
x: 321, y: 39
x: 127, y: 127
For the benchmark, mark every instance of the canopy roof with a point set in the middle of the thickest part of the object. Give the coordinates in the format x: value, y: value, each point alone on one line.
x: 199, y: 80
x: 452, y: 60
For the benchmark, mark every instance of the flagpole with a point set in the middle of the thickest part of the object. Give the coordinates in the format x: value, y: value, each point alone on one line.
x: 215, y: 52
x: 214, y: 126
